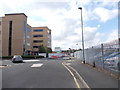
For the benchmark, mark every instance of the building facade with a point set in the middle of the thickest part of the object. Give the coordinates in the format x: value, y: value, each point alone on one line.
x: 19, y: 38
x: 41, y: 37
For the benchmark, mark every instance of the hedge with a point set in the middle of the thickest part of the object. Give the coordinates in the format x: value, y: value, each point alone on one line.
x: 32, y: 57
x: 24, y: 57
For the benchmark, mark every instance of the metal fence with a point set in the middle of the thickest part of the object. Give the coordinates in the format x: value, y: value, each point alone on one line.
x: 105, y: 56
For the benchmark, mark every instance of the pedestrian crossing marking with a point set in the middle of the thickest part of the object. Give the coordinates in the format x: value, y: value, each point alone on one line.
x: 37, y: 65
x: 30, y: 60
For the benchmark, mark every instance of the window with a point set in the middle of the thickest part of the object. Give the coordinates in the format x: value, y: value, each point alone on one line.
x: 28, y: 37
x: 38, y: 30
x: 28, y: 30
x: 35, y: 46
x: 25, y: 25
x: 37, y: 41
x: 37, y: 35
x: 10, y: 38
x: 28, y: 44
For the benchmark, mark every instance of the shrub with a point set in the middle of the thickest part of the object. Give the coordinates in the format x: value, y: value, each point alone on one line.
x: 32, y: 57
x: 24, y: 57
x: 6, y: 57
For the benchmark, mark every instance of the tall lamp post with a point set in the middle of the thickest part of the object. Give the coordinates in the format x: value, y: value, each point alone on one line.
x: 82, y: 35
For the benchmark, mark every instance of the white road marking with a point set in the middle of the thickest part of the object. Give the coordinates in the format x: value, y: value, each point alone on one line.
x: 77, y: 84
x: 30, y: 60
x: 68, y: 63
x: 75, y: 79
x: 37, y: 65
x: 6, y: 60
x: 2, y: 66
x: 86, y: 86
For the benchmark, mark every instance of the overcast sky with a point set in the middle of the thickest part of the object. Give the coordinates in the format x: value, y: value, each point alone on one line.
x: 100, y: 19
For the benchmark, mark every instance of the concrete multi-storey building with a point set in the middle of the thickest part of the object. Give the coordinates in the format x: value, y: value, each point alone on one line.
x: 13, y: 28
x: 41, y: 36
x: 19, y: 38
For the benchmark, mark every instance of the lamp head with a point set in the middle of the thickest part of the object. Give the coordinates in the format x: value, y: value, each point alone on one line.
x: 80, y: 8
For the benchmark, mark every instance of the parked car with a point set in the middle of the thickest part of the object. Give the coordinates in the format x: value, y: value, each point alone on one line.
x: 17, y: 58
x: 54, y: 57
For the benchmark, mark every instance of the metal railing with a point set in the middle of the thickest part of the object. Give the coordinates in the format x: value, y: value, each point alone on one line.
x: 105, y: 56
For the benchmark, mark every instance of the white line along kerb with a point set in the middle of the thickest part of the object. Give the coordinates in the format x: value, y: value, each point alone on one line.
x: 81, y: 79
x: 77, y: 84
x: 37, y: 65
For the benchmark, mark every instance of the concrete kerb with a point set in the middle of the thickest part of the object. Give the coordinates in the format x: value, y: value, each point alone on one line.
x: 79, y: 79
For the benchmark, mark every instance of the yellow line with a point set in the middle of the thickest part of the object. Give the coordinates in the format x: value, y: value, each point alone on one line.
x: 78, y: 86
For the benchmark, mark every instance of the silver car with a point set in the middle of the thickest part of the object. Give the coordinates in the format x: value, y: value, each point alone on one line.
x: 17, y: 58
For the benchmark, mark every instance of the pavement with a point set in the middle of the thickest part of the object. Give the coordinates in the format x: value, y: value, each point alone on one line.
x: 93, y: 77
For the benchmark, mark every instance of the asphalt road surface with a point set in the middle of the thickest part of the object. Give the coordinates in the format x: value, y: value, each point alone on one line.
x: 36, y: 74
x: 49, y: 73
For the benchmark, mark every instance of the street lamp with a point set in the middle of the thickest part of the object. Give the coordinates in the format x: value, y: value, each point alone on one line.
x: 82, y: 35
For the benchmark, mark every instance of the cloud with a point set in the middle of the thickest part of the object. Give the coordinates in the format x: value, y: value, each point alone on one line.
x: 112, y: 36
x: 105, y: 14
x: 109, y: 3
x: 91, y: 38
x: 63, y: 18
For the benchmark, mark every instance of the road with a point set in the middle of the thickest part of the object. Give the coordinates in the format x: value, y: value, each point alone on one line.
x: 49, y: 73
x: 36, y: 74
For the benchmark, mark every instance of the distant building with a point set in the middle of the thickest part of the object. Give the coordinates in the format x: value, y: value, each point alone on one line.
x: 57, y: 49
x: 19, y: 38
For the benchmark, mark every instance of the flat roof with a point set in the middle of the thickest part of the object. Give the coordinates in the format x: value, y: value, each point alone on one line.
x: 41, y: 27
x: 15, y: 14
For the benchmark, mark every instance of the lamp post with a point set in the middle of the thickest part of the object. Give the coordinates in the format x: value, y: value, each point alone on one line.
x: 77, y: 47
x: 82, y: 35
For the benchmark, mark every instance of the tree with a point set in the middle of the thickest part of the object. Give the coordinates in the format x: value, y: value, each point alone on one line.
x: 49, y: 50
x: 42, y: 49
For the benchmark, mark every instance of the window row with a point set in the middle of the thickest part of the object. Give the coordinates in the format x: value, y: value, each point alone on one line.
x: 38, y: 30
x: 37, y: 41
x: 37, y: 46
x: 37, y: 35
